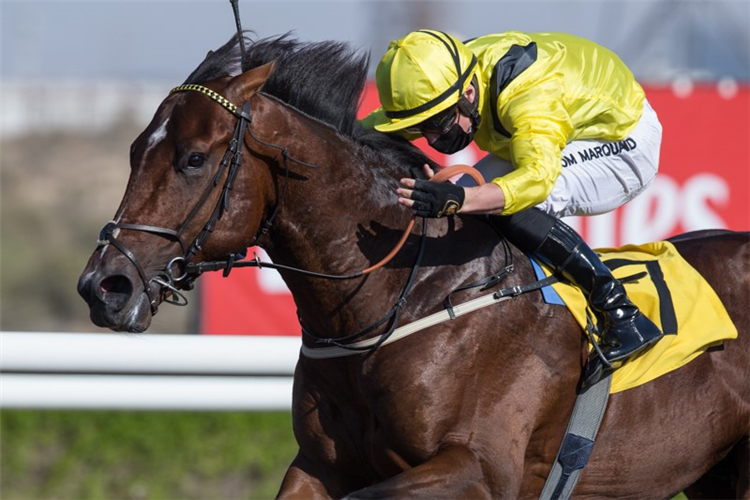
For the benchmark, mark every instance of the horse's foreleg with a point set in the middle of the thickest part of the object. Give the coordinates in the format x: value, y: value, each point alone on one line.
x: 743, y: 460
x: 300, y: 483
x: 730, y: 478
x: 455, y: 472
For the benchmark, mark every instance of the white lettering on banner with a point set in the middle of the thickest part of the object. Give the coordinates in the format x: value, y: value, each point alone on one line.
x: 687, y: 206
x: 601, y: 230
x: 698, y: 191
x: 658, y: 212
x: 653, y: 214
x: 269, y: 280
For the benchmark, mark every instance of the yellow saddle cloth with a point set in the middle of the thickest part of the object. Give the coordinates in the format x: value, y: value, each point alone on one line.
x: 673, y: 295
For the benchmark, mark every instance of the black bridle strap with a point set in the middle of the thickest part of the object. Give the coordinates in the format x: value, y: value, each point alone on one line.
x: 268, y: 223
x: 231, y: 154
x: 107, y: 236
x: 232, y: 159
x: 161, y: 231
x: 207, y: 193
x: 198, y: 268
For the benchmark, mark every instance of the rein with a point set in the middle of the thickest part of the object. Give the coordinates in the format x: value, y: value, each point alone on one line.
x: 346, y: 343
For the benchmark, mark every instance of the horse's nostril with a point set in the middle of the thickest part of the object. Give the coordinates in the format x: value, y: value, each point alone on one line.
x: 115, y: 291
x: 116, y: 284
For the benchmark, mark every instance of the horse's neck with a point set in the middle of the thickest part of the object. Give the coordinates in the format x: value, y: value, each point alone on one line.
x: 342, y: 217
x: 338, y: 217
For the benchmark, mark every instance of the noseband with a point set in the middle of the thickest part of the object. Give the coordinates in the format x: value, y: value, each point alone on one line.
x: 167, y: 279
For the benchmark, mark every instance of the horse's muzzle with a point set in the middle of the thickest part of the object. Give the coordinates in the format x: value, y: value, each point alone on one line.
x: 114, y: 301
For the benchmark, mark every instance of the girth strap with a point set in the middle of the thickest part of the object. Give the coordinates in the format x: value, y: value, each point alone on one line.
x: 578, y: 442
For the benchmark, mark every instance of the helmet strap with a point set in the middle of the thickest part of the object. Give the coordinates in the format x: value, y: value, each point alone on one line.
x: 471, y: 109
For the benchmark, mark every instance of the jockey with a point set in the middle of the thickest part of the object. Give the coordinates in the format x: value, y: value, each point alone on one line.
x: 569, y: 132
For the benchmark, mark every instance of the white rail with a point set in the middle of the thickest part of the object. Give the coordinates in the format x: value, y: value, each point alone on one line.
x: 146, y: 372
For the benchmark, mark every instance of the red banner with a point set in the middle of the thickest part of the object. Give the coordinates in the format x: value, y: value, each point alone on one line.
x: 703, y: 182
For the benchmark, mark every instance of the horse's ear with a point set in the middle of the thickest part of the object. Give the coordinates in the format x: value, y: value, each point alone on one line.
x: 250, y: 82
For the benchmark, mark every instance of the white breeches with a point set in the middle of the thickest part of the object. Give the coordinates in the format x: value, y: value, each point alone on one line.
x: 597, y: 176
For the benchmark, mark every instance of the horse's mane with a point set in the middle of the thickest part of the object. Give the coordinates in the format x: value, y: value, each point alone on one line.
x: 324, y: 80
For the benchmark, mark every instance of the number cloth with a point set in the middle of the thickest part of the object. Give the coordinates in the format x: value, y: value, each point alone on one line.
x: 674, y: 296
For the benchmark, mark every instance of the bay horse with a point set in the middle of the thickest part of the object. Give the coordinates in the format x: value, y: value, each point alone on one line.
x: 471, y: 408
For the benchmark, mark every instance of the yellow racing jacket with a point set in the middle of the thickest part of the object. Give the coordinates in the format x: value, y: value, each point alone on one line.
x: 538, y: 92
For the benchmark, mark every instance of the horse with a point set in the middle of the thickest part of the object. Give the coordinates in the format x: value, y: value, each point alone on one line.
x: 470, y: 408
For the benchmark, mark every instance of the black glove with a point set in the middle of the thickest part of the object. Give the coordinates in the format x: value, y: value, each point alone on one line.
x: 437, y: 199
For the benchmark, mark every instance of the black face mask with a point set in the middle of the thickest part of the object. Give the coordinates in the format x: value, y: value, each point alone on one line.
x: 455, y: 139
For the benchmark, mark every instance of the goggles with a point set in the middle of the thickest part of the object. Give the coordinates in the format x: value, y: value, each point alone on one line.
x: 438, y: 124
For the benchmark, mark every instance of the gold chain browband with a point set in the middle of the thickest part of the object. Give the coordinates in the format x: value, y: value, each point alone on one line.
x: 210, y: 93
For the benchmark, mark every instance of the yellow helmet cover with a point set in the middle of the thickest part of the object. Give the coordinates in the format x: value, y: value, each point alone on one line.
x: 420, y: 75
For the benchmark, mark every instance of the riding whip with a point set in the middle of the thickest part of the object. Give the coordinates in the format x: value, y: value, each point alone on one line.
x: 236, y: 10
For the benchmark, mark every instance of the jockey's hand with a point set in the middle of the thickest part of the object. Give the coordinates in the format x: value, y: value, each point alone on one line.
x: 431, y: 199
x: 428, y: 172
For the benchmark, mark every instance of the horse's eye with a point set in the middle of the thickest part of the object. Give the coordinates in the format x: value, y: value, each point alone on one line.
x: 196, y: 160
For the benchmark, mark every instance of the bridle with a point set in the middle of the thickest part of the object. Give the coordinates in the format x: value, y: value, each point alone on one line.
x: 177, y: 270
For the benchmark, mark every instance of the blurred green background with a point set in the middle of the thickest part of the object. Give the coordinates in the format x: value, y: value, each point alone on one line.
x: 143, y: 455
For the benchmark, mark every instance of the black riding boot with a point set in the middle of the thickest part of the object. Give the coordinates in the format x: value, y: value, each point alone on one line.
x: 624, y: 331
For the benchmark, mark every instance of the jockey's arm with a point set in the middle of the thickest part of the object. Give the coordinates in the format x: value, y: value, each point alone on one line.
x: 540, y: 128
x: 485, y: 199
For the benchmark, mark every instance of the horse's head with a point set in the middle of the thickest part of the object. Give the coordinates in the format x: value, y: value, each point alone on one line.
x: 183, y: 168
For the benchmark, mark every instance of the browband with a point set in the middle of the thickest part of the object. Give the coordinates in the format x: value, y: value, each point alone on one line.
x: 235, y: 110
